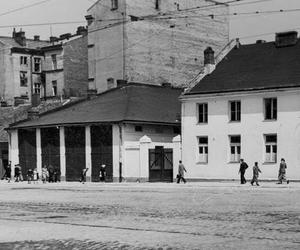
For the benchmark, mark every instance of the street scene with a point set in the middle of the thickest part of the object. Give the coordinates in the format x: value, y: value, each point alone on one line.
x: 149, y: 124
x: 150, y: 216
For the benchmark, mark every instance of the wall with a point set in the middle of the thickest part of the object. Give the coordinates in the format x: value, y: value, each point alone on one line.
x: 105, y: 45
x: 76, y: 66
x: 251, y: 128
x: 153, y: 51
x: 134, y: 167
x: 54, y: 74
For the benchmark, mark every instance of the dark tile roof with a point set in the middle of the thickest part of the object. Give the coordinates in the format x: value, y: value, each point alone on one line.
x: 30, y: 43
x: 132, y: 103
x: 253, y: 67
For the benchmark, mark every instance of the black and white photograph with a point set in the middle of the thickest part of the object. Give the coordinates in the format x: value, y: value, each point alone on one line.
x: 149, y: 124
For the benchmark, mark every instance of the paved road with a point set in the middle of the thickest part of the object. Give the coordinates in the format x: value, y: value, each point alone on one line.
x: 149, y: 216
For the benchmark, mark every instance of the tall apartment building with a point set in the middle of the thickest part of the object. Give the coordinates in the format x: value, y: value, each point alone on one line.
x: 152, y: 41
x: 21, y: 62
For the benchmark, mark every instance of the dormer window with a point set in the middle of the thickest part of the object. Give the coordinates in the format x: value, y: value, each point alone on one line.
x: 37, y: 64
x: 114, y: 4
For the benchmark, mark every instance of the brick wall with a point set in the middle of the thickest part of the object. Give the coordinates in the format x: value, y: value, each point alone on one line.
x: 76, y: 66
x: 156, y: 50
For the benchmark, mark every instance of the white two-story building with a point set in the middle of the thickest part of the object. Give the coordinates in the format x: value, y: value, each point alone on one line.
x: 248, y: 107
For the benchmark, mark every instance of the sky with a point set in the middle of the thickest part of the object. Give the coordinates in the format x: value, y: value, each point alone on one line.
x: 248, y: 28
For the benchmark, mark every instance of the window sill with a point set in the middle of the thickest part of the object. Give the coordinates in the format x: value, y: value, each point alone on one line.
x: 235, y: 121
x: 269, y: 163
x: 233, y: 162
x: 202, y: 123
x: 201, y: 163
x: 269, y: 120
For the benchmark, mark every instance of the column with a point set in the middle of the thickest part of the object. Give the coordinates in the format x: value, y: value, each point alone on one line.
x: 145, y: 143
x: 13, y: 150
x: 62, y: 151
x: 38, y: 151
x: 88, y: 153
x: 117, y: 153
x: 176, y: 154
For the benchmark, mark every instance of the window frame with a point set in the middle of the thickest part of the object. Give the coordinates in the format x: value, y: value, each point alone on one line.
x: 24, y: 78
x: 54, y: 61
x: 235, y: 115
x: 114, y: 4
x: 24, y: 60
x: 54, y: 88
x: 39, y: 64
x: 236, y: 156
x: 204, y: 113
x: 37, y: 86
x: 202, y: 157
x: 273, y: 113
x: 272, y: 158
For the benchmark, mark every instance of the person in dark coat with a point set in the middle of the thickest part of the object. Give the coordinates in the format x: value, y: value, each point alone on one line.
x: 8, y: 172
x: 256, y: 172
x: 17, y: 173
x: 181, y: 170
x: 83, y: 175
x: 242, y: 171
x: 282, y: 172
x: 102, y: 172
x: 51, y: 173
x: 29, y: 175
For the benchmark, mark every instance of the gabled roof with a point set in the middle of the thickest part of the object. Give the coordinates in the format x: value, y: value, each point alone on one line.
x: 253, y: 67
x: 30, y: 43
x: 138, y: 103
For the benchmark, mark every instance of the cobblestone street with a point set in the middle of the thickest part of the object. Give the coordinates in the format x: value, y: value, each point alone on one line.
x: 149, y: 216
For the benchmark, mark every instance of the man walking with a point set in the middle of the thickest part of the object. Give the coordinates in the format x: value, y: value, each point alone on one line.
x: 242, y: 171
x: 181, y: 170
x: 83, y: 175
x: 256, y: 172
x: 282, y: 172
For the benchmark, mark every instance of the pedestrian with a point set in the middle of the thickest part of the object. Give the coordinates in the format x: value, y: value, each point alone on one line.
x: 256, y: 172
x: 35, y: 176
x: 8, y: 172
x: 29, y: 175
x: 44, y: 174
x: 102, y: 172
x: 17, y: 173
x: 282, y: 172
x: 51, y: 173
x: 243, y: 167
x: 83, y: 175
x: 181, y: 170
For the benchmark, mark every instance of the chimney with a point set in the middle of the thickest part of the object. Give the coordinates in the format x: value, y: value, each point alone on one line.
x: 89, y: 19
x: 81, y: 30
x: 238, y: 44
x: 14, y: 33
x: 36, y: 38
x: 19, y: 37
x: 285, y: 39
x: 121, y: 83
x: 53, y: 39
x: 110, y: 83
x: 209, y: 60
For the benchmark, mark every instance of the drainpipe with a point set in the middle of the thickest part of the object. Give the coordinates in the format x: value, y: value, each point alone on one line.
x: 31, y: 80
x: 120, y: 152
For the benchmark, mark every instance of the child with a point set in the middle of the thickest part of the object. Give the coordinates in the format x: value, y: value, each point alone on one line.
x: 256, y: 172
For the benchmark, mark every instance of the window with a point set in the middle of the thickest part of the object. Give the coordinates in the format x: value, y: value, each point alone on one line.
x: 54, y: 61
x: 114, y: 4
x: 54, y: 88
x: 202, y: 113
x: 37, y: 88
x: 235, y: 148
x: 37, y: 64
x: 157, y: 4
x: 203, y: 149
x: 177, y: 130
x: 138, y: 129
x: 23, y: 60
x: 235, y: 111
x: 270, y: 108
x: 23, y: 78
x: 271, y: 148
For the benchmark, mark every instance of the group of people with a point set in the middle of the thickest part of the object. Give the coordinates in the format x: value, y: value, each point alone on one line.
x: 102, y: 174
x: 256, y: 171
x: 49, y: 174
